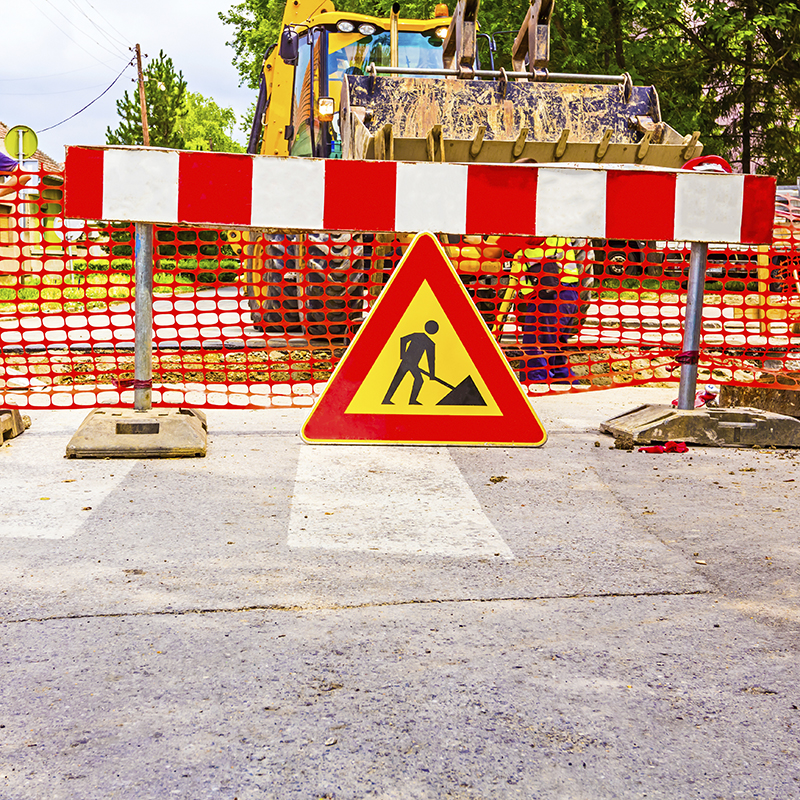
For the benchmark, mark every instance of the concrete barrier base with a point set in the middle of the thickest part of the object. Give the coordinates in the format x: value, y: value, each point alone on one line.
x: 125, y: 433
x: 12, y: 423
x: 715, y: 427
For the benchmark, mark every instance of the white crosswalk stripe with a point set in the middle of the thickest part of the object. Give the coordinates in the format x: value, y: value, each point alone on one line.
x: 65, y: 492
x: 391, y: 500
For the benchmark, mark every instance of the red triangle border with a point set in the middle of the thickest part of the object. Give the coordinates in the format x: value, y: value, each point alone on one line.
x: 425, y: 260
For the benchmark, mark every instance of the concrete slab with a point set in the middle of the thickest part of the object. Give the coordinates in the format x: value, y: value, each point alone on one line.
x: 713, y: 427
x: 154, y: 433
x: 167, y: 632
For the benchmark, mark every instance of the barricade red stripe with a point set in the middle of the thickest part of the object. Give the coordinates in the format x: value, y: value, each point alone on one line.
x: 83, y: 193
x: 501, y: 199
x: 640, y: 205
x: 758, y: 208
x: 216, y: 188
x: 359, y: 195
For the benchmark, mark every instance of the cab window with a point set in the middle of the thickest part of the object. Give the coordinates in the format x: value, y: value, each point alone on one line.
x: 306, y: 92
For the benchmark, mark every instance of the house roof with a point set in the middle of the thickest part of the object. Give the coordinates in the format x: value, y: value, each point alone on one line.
x: 48, y: 163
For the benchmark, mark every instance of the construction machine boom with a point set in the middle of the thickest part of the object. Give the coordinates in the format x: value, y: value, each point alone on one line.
x: 465, y: 114
x: 343, y: 85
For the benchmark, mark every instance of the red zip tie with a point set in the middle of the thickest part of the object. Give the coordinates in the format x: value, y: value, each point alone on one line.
x: 688, y: 357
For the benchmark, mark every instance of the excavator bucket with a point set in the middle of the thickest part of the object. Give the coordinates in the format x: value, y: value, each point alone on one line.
x: 424, y: 119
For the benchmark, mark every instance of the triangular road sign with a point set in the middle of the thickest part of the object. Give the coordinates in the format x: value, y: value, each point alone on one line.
x: 424, y: 369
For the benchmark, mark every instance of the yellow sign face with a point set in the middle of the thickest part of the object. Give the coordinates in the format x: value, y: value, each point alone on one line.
x: 424, y: 369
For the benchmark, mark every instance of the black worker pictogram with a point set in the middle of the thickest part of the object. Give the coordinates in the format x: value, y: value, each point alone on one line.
x: 413, y: 347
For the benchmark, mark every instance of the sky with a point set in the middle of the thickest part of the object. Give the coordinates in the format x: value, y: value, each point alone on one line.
x: 58, y: 55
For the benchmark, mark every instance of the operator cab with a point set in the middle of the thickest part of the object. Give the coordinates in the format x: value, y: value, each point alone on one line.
x: 323, y: 54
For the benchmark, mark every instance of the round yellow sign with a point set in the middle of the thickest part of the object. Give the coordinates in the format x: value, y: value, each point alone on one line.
x: 21, y: 142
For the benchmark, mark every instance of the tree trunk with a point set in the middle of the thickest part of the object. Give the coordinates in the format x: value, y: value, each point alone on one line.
x: 747, y: 94
x: 616, y: 26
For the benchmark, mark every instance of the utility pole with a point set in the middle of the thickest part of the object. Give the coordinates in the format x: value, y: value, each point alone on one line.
x: 142, y: 103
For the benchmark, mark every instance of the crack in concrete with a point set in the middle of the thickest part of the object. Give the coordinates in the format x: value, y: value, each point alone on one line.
x: 356, y: 606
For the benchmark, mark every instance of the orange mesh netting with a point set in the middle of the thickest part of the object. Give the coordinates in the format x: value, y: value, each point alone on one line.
x: 248, y: 320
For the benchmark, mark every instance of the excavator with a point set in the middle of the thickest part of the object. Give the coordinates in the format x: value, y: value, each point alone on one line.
x: 351, y: 86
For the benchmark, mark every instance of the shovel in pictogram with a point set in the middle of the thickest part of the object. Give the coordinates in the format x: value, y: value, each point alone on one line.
x: 465, y: 394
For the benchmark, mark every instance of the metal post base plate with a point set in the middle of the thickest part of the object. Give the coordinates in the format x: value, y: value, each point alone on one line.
x: 713, y: 427
x: 125, y: 433
x: 12, y: 423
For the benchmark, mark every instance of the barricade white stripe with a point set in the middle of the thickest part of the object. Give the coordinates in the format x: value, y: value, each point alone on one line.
x: 571, y: 202
x: 707, y: 209
x: 431, y: 197
x: 141, y: 184
x: 289, y: 193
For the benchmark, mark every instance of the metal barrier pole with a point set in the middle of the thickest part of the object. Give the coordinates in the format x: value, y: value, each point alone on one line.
x: 694, y: 325
x: 143, y: 432
x: 143, y: 354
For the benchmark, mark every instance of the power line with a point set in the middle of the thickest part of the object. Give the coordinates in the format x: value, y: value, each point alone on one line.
x: 110, y: 39
x: 77, y: 27
x: 99, y: 14
x: 52, y: 75
x: 64, y: 33
x: 89, y: 104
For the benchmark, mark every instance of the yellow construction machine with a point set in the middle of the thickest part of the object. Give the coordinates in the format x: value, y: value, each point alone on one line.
x: 342, y: 85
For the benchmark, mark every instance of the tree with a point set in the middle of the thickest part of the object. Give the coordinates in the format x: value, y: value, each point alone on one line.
x: 727, y: 68
x: 744, y: 57
x: 206, y: 126
x: 165, y: 91
x: 256, y: 25
x: 632, y: 36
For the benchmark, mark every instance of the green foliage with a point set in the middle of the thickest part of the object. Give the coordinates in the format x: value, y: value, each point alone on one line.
x: 206, y: 126
x: 165, y: 92
x: 738, y: 62
x: 191, y: 270
x: 256, y: 25
x: 102, y: 265
x: 246, y: 122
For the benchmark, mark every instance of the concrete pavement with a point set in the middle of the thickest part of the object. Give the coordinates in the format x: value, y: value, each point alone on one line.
x: 293, y: 621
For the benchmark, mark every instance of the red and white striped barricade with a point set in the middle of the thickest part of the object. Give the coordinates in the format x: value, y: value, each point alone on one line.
x: 287, y: 194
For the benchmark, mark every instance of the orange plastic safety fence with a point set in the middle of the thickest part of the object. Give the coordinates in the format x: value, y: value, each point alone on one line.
x: 243, y: 320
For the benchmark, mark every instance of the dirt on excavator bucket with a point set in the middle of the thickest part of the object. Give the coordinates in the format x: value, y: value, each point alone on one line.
x: 494, y: 121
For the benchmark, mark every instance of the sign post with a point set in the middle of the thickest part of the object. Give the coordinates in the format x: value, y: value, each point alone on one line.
x: 143, y: 320
x: 147, y: 432
x: 20, y: 142
x: 693, y: 325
